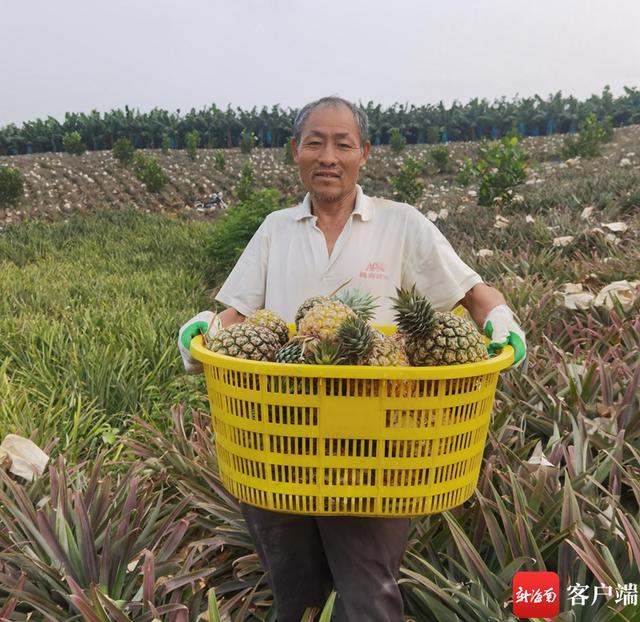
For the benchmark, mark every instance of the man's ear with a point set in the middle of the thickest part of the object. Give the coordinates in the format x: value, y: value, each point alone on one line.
x: 294, y: 148
x: 365, y: 153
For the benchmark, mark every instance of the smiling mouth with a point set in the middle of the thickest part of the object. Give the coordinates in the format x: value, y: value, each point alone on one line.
x: 326, y: 175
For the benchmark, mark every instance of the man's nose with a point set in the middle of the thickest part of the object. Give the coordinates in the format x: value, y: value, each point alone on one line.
x: 328, y: 154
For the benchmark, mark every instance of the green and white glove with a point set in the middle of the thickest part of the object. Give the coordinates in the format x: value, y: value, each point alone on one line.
x: 206, y: 322
x: 501, y: 327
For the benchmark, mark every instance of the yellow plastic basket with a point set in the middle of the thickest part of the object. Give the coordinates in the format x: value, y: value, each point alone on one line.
x: 350, y: 440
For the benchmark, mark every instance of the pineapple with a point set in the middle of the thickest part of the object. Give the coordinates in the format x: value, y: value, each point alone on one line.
x: 307, y: 305
x: 324, y: 318
x: 436, y: 338
x: 387, y: 351
x: 245, y: 341
x: 272, y: 321
x: 362, y: 304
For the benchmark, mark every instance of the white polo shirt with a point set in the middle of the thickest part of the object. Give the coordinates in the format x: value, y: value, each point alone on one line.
x: 383, y: 245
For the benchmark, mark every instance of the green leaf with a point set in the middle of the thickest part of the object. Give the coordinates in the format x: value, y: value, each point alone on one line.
x: 212, y: 606
x: 327, y: 610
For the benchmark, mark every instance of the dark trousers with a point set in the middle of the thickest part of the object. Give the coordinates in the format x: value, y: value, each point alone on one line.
x: 308, y: 556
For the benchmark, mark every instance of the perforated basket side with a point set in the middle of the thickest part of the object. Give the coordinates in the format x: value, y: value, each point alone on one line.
x: 350, y: 441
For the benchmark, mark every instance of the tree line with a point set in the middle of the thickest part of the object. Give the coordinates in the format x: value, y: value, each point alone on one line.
x: 272, y: 126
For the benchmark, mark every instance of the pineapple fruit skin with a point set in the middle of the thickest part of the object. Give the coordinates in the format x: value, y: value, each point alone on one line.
x: 272, y: 321
x: 324, y: 318
x: 454, y: 340
x: 307, y: 305
x: 246, y: 341
x: 387, y: 351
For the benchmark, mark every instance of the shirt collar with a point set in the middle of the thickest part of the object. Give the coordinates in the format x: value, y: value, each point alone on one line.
x: 363, y: 207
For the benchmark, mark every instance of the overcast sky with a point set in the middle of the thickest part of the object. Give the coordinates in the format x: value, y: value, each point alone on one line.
x: 76, y: 55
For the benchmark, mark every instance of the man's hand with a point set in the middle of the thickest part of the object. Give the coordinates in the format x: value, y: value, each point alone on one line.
x: 206, y: 322
x: 501, y: 327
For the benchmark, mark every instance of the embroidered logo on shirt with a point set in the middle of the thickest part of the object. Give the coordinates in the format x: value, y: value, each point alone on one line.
x: 374, y: 270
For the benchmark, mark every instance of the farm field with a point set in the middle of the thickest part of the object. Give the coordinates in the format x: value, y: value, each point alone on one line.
x: 131, y: 522
x: 59, y: 183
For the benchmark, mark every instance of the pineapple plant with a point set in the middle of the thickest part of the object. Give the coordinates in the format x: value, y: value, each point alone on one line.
x: 245, y: 341
x: 434, y: 337
x: 272, y: 321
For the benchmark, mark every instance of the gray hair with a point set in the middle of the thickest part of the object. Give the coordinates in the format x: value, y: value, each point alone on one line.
x: 359, y: 115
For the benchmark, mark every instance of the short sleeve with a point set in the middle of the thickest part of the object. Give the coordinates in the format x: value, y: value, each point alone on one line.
x: 244, y: 288
x: 430, y: 263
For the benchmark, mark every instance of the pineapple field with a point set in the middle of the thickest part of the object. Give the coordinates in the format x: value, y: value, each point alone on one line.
x: 129, y: 520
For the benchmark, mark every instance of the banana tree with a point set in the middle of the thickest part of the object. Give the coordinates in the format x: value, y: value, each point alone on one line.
x: 54, y: 132
x: 92, y: 129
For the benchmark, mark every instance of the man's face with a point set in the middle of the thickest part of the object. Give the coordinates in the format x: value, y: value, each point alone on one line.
x: 329, y: 155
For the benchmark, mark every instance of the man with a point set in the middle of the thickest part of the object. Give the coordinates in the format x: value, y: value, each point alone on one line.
x: 337, y: 233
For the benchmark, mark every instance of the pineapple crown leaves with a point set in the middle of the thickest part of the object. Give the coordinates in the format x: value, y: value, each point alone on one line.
x: 295, y: 350
x: 357, y: 338
x: 414, y: 313
x: 291, y: 352
x: 325, y: 352
x: 362, y: 303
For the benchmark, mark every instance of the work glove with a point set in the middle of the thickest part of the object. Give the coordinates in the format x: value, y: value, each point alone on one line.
x: 501, y: 327
x: 206, y: 322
